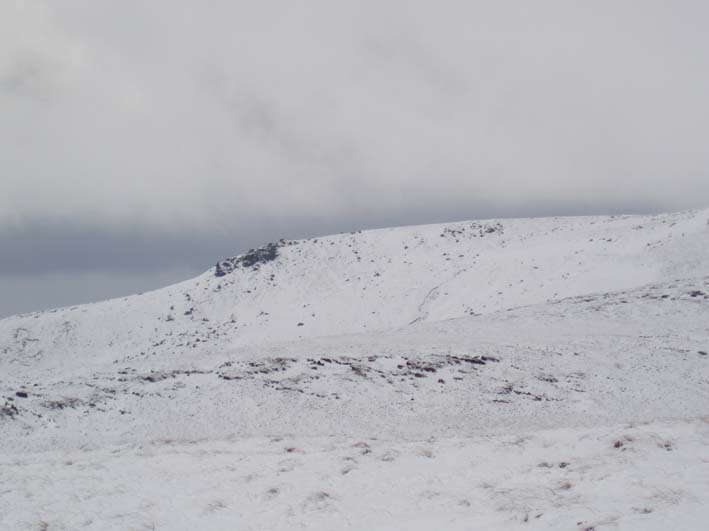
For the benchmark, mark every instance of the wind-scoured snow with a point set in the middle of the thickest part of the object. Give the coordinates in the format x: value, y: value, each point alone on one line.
x: 629, y: 477
x: 406, y: 378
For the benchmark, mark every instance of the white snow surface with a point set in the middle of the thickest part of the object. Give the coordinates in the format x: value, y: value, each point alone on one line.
x: 501, y: 374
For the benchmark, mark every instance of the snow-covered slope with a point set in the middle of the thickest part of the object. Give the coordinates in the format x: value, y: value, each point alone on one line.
x: 634, y: 355
x: 531, y: 374
x: 642, y: 477
x: 365, y: 281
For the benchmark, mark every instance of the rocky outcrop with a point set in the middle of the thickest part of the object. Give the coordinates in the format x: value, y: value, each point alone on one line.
x: 252, y: 259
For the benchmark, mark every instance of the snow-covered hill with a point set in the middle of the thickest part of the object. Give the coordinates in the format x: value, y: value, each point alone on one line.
x: 320, y: 379
x: 365, y: 281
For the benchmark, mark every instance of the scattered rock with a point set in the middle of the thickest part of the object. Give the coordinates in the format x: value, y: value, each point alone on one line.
x: 62, y: 404
x: 547, y: 378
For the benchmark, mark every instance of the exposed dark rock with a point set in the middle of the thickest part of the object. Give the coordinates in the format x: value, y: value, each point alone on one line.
x: 547, y: 378
x: 21, y: 394
x: 475, y: 361
x: 226, y: 377
x: 62, y: 404
x: 154, y: 377
x: 8, y: 410
x: 252, y: 259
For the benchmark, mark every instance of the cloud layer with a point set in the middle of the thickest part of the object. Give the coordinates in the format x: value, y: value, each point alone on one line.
x: 176, y: 115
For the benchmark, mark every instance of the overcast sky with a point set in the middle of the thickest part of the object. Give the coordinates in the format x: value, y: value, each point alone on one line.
x: 142, y: 141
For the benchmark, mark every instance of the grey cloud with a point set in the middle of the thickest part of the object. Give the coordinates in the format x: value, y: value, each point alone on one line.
x: 22, y: 78
x: 168, y: 113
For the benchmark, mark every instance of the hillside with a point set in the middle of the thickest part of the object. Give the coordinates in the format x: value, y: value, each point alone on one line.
x: 365, y: 281
x: 503, y: 374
